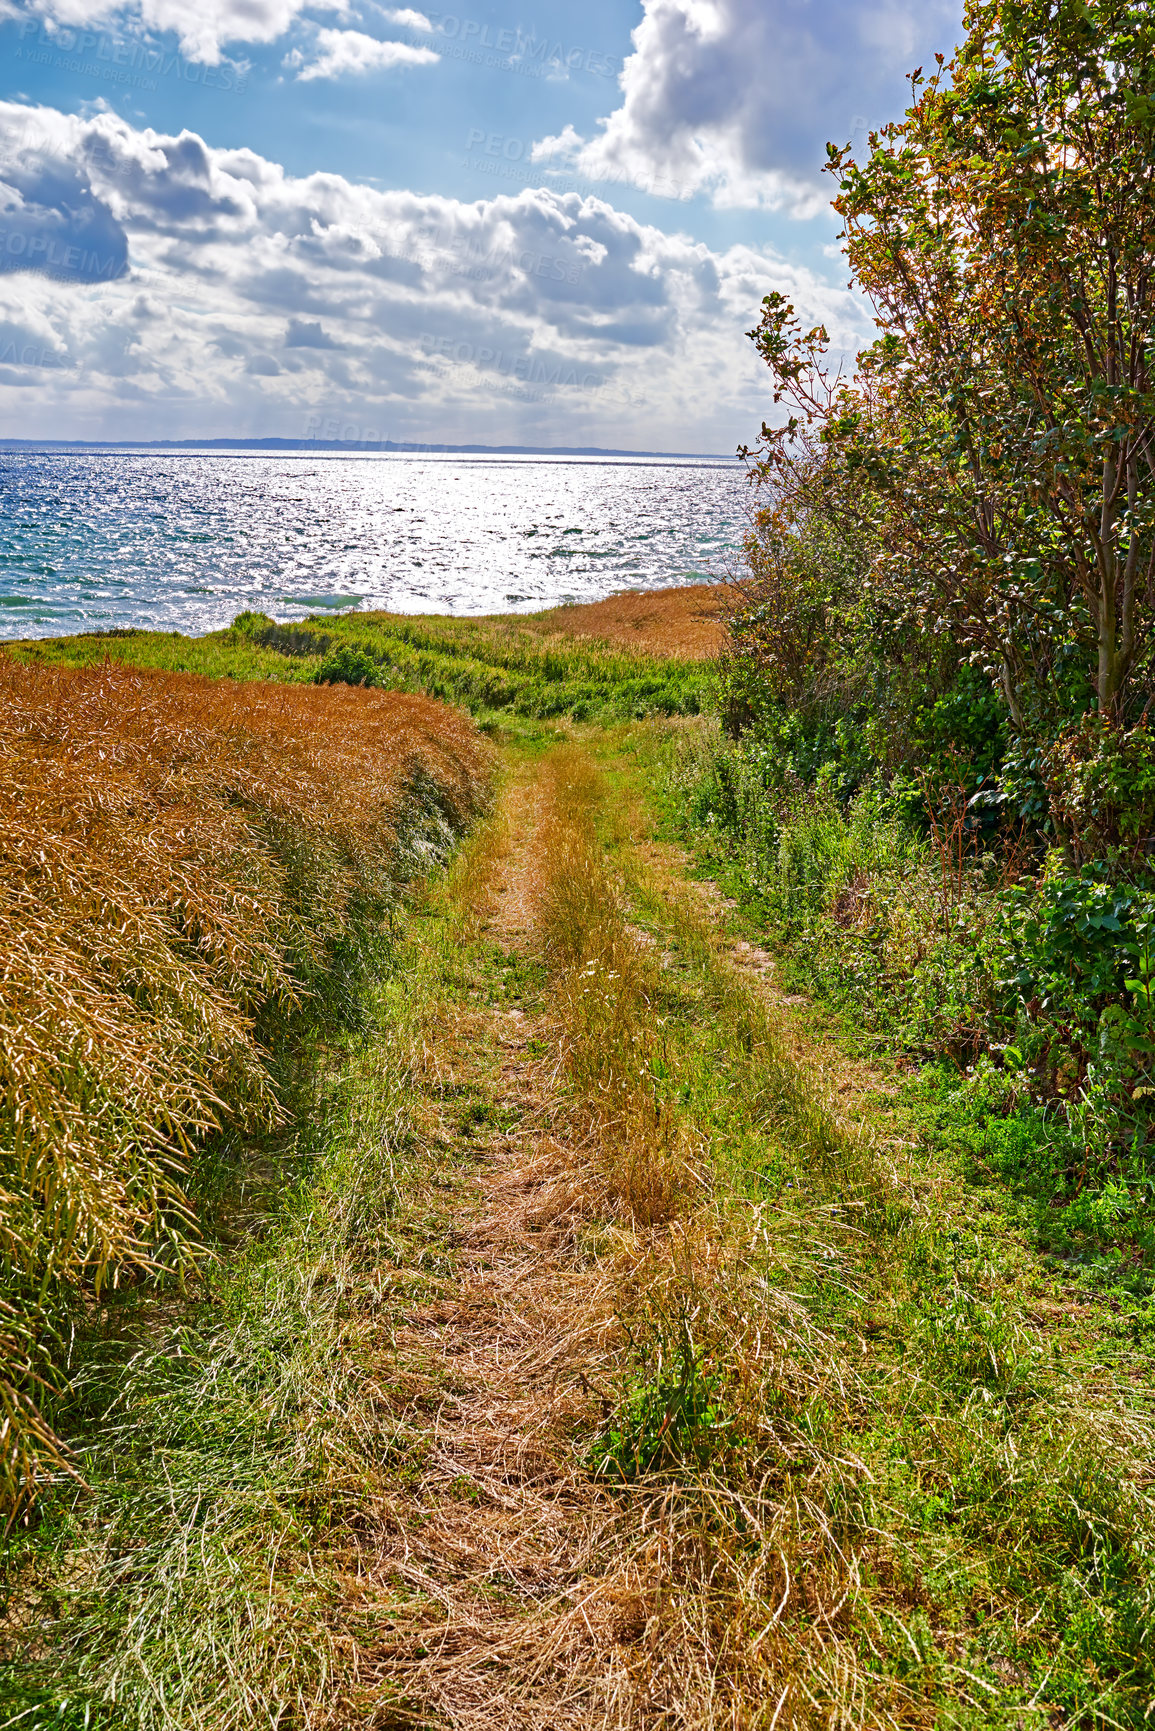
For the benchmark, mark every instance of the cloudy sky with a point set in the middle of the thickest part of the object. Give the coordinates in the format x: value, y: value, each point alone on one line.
x: 540, y: 222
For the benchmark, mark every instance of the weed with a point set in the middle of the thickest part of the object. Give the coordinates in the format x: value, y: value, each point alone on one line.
x: 676, y: 1421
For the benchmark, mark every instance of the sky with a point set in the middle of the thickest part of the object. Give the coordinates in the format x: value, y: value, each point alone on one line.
x: 539, y: 222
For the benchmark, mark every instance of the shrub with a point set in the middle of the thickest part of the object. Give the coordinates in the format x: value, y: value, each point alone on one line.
x: 1101, y: 786
x: 249, y: 624
x: 348, y: 666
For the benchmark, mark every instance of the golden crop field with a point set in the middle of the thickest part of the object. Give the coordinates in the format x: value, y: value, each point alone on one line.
x: 686, y: 622
x: 177, y: 855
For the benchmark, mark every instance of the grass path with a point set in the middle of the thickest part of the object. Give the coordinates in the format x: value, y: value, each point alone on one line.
x: 623, y: 1358
x: 502, y: 1550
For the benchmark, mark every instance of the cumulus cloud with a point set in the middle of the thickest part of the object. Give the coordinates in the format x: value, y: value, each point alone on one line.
x: 340, y: 53
x: 253, y: 300
x: 51, y: 219
x: 737, y: 98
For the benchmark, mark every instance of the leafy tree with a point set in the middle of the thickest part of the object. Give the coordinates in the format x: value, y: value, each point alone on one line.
x: 997, y: 443
x: 823, y: 656
x: 795, y: 613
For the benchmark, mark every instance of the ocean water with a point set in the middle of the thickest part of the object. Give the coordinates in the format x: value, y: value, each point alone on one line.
x: 184, y: 542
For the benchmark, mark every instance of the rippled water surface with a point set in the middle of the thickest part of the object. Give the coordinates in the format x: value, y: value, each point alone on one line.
x: 185, y: 542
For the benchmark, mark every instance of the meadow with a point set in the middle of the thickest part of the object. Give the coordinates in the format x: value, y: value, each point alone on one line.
x: 576, y: 1302
x: 621, y: 659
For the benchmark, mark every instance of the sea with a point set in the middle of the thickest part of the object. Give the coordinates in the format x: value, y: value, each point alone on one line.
x: 183, y: 542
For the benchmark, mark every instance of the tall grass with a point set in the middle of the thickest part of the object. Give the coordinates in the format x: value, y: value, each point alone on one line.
x: 865, y: 1480
x: 488, y: 666
x: 242, y: 1451
x: 864, y: 906
x: 181, y: 863
x: 853, y: 1466
x: 685, y: 621
x: 605, y: 990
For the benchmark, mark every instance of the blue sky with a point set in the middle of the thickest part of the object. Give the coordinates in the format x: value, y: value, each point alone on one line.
x: 535, y: 223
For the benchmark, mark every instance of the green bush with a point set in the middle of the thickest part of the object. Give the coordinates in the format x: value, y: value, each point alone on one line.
x: 248, y: 624
x: 348, y: 666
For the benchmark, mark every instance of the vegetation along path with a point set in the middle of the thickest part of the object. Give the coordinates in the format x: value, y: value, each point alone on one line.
x: 625, y: 1354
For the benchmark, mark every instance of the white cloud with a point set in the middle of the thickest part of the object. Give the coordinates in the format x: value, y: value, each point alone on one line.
x: 737, y: 98
x: 341, y: 53
x: 203, y: 27
x: 405, y: 18
x: 196, y: 291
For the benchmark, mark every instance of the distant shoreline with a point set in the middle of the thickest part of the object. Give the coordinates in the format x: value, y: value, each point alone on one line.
x: 350, y: 447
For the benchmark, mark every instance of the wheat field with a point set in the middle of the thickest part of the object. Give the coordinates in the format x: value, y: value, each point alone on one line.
x: 178, y: 858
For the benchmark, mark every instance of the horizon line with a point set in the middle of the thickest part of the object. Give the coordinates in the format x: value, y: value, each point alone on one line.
x: 355, y: 446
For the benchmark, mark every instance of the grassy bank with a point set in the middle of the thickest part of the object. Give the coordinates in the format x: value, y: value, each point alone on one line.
x: 632, y: 656
x: 641, y: 1319
x: 193, y: 872
x: 239, y: 1450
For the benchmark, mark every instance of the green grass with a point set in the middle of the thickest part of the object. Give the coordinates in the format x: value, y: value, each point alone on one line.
x: 220, y: 655
x: 489, y: 667
x: 998, y: 966
x: 893, y: 1464
x: 235, y: 1445
x: 858, y: 1312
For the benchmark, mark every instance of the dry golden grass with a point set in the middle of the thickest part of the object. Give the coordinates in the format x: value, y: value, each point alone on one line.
x: 698, y: 1593
x: 684, y: 622
x: 526, y: 1591
x: 604, y: 988
x: 496, y: 1555
x: 176, y: 856
x: 716, y: 1560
